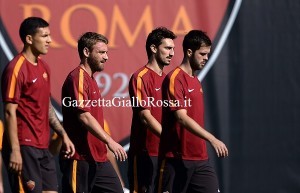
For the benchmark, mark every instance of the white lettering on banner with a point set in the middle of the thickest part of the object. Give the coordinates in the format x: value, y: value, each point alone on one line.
x: 122, y: 102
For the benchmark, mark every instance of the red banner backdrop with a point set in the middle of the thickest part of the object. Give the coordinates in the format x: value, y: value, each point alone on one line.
x: 126, y: 24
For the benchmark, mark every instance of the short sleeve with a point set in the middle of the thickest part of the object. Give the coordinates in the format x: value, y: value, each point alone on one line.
x: 175, y: 94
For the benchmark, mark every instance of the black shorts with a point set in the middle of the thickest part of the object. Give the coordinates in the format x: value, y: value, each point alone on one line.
x: 142, y: 170
x: 94, y: 177
x: 187, y: 176
x: 38, y: 171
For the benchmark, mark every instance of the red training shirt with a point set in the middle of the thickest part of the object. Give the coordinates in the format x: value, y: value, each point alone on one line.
x: 144, y: 87
x: 28, y: 85
x: 80, y: 93
x: 177, y: 141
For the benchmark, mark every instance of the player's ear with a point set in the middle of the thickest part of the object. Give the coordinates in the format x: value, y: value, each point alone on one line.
x: 189, y: 52
x: 153, y: 48
x: 28, y: 39
x: 86, y: 52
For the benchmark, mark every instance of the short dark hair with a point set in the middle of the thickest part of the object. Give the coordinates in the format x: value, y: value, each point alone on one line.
x: 156, y: 37
x: 88, y: 40
x: 30, y: 25
x: 194, y: 40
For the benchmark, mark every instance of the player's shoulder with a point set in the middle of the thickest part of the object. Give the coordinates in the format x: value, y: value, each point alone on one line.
x: 73, y: 76
x: 78, y: 72
x: 175, y: 73
x: 141, y: 72
x: 17, y: 60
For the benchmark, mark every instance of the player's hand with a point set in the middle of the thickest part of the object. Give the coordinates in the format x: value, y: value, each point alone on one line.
x: 117, y: 150
x: 219, y: 147
x: 68, y: 147
x: 15, y: 162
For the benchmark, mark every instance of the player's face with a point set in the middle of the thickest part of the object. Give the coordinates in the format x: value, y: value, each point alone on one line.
x: 40, y: 41
x: 98, y: 56
x: 165, y: 52
x: 199, y: 58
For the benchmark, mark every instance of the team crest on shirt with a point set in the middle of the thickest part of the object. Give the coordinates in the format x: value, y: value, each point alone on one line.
x: 30, y: 185
x: 45, y: 76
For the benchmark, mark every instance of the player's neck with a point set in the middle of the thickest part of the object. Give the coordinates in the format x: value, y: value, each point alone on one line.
x: 155, y: 67
x: 86, y: 68
x: 32, y: 58
x: 186, y: 67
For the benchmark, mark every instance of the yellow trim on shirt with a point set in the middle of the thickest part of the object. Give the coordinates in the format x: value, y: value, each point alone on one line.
x: 139, y: 84
x: 13, y: 83
x: 80, y: 86
x: 172, y: 82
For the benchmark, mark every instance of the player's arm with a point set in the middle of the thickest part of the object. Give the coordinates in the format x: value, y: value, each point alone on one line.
x: 137, y: 88
x: 68, y: 146
x: 95, y: 128
x: 195, y: 128
x: 10, y: 114
x: 147, y: 118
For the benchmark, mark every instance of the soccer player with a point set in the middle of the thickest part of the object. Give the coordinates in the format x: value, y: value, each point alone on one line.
x: 185, y: 166
x: 144, y: 87
x: 28, y: 113
x: 89, y: 169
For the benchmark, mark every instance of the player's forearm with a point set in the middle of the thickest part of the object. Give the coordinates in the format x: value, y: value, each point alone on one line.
x: 193, y: 126
x: 92, y: 125
x: 55, y: 123
x: 11, y: 125
x: 151, y: 122
x: 155, y: 127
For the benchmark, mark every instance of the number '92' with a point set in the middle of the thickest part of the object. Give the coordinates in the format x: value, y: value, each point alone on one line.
x: 104, y: 81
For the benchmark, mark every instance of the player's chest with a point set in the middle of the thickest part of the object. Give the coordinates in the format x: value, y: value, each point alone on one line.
x: 36, y: 78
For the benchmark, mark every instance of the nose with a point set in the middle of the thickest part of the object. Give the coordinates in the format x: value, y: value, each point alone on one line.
x: 206, y: 57
x: 105, y: 56
x: 172, y: 52
x: 49, y: 39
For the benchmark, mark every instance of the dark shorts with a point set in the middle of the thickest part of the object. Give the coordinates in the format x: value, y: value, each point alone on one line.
x: 82, y: 176
x: 142, y: 170
x: 187, y: 176
x: 38, y: 171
